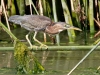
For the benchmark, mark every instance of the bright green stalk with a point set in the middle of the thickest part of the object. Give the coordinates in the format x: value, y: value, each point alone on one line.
x: 5, y: 28
x: 44, y: 7
x: 67, y: 16
x: 54, y: 10
x: 55, y: 19
x: 21, y: 6
x: 91, y: 17
x: 11, y: 7
x: 83, y: 2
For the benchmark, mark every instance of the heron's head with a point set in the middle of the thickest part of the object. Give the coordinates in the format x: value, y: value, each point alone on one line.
x: 58, y: 27
x: 63, y: 26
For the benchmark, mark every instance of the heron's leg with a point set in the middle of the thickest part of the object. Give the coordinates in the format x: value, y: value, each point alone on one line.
x: 28, y: 40
x: 45, y: 40
x: 34, y: 37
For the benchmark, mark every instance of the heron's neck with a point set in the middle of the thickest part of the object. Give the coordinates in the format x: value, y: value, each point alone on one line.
x: 51, y: 30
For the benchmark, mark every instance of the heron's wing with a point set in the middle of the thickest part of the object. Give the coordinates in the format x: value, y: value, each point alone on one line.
x: 35, y: 21
x: 31, y: 22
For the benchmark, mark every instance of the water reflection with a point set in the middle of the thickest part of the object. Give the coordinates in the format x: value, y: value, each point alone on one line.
x: 58, y: 62
x: 6, y: 59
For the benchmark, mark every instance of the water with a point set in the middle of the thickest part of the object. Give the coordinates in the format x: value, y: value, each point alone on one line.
x: 56, y: 62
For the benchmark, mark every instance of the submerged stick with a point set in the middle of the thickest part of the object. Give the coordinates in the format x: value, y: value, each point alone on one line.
x: 84, y: 57
x: 55, y: 48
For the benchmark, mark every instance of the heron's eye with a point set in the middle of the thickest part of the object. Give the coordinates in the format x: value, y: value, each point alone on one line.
x: 68, y: 25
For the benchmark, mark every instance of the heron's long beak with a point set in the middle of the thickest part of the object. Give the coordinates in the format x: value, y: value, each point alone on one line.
x: 74, y: 28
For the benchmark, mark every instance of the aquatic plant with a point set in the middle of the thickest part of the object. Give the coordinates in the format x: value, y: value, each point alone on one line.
x: 24, y: 57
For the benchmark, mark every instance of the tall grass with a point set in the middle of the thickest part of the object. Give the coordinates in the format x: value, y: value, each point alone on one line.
x: 75, y: 12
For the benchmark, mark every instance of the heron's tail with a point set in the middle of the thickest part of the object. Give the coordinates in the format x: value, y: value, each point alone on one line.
x: 14, y: 19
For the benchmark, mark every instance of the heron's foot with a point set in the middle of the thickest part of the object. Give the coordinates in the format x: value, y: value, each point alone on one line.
x: 43, y: 45
x: 34, y: 47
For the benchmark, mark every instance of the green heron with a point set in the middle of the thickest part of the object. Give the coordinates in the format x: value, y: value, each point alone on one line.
x: 39, y: 23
